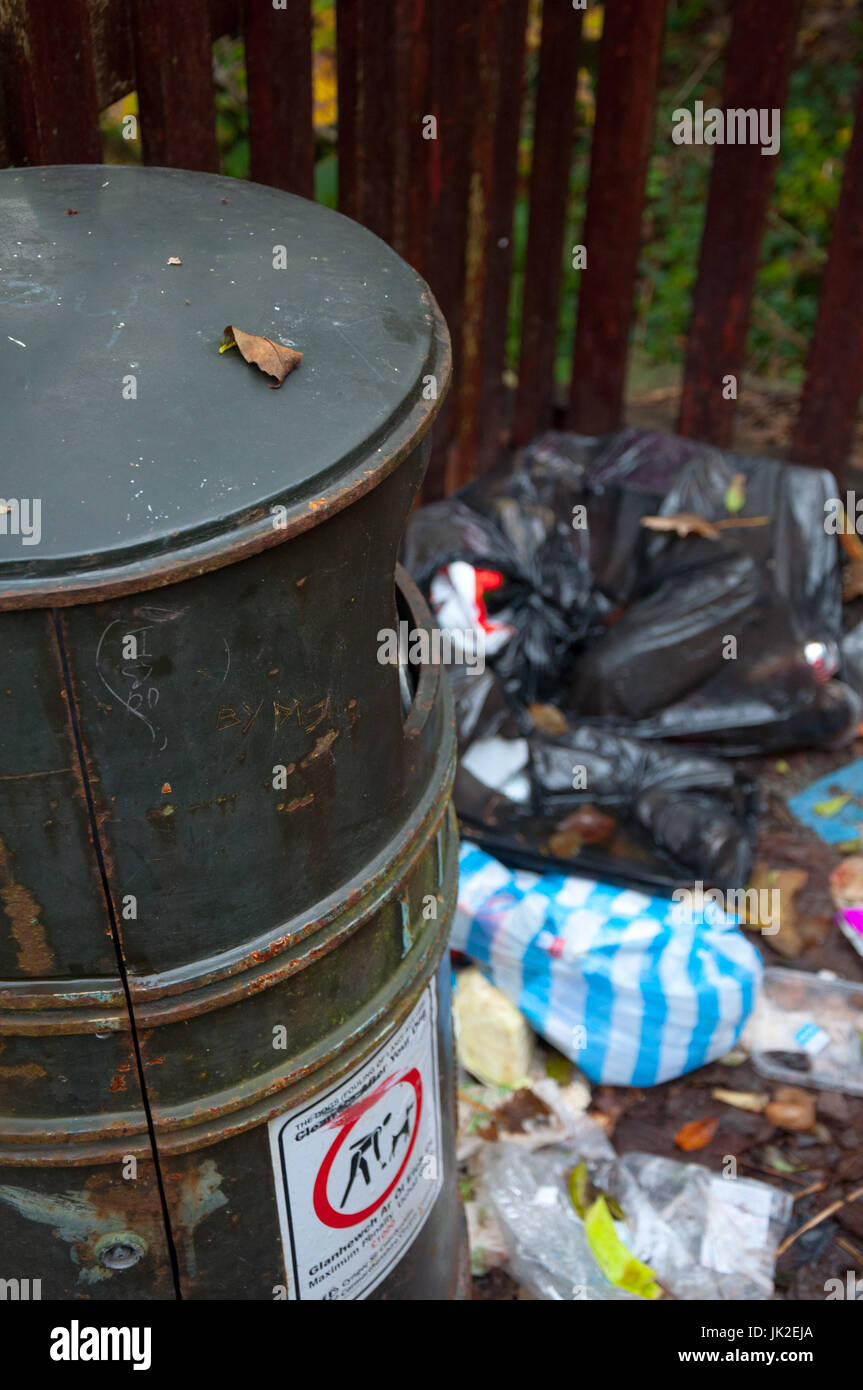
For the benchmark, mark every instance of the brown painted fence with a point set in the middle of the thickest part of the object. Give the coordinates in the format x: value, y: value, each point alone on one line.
x: 443, y: 191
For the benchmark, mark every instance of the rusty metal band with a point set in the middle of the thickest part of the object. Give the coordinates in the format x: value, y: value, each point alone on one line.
x: 104, y: 1138
x: 89, y: 1006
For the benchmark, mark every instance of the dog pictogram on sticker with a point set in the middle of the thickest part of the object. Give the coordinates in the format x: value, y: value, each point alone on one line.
x: 370, y: 1152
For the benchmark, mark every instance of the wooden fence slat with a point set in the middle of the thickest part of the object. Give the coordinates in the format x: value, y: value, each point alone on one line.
x: 409, y: 81
x: 757, y: 69
x: 377, y: 117
x: 825, y: 426
x: 279, y: 81
x: 483, y: 425
x: 18, y: 115
x: 625, y: 113
x: 113, y: 50
x: 51, y: 109
x: 418, y: 153
x: 347, y: 76
x: 549, y: 194
x: 452, y: 35
x: 367, y: 41
x: 174, y: 62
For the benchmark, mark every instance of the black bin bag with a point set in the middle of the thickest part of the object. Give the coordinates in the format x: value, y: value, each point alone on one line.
x: 664, y: 655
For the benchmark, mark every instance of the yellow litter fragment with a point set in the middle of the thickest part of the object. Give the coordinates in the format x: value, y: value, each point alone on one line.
x: 494, y: 1041
x: 617, y: 1263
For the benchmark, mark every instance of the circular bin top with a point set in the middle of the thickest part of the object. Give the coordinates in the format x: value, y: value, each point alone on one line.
x: 151, y: 455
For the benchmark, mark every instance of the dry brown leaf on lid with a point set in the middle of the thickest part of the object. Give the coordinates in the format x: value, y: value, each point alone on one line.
x: 271, y: 357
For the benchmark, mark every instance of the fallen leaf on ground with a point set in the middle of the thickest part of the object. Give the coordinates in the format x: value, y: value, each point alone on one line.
x: 852, y: 581
x: 682, y: 524
x: 791, y: 1108
x: 273, y: 358
x: 584, y: 1193
x: 565, y: 843
x: 781, y: 928
x: 846, y: 882
x: 741, y: 1100
x: 697, y: 1134
x: 558, y: 1067
x: 690, y: 524
x: 523, y: 1105
x: 592, y: 825
x: 547, y: 719
x: 608, y: 1108
x: 774, y: 1158
x: 833, y: 806
x: 735, y: 493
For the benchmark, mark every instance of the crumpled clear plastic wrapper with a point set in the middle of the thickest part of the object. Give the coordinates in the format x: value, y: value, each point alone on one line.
x: 704, y: 1236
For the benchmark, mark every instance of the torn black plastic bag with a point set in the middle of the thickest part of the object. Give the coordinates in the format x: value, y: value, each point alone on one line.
x: 669, y: 643
x: 646, y: 641
x: 680, y: 817
x: 766, y: 706
x: 684, y: 818
x: 524, y: 532
x: 726, y: 643
x: 636, y: 473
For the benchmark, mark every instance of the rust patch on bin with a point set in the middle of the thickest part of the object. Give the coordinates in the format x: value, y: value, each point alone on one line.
x: 34, y: 954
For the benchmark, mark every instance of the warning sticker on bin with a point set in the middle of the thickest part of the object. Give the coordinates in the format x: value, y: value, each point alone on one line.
x: 358, y: 1169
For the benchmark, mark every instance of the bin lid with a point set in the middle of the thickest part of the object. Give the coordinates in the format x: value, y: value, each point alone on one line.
x: 151, y: 455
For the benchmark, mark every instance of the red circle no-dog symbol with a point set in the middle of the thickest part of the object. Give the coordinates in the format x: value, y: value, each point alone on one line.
x: 376, y: 1136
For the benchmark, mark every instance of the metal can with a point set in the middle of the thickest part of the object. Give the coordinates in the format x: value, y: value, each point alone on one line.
x: 227, y: 854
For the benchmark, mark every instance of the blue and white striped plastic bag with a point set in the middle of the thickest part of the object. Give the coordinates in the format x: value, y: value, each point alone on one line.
x: 634, y: 989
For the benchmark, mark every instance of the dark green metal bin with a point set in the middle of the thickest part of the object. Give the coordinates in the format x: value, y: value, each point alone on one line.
x: 227, y: 857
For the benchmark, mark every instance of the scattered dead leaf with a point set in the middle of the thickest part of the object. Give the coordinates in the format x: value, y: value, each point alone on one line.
x: 274, y: 359
x: 690, y: 524
x: 682, y: 524
x: 565, y: 843
x: 697, y: 1134
x: 852, y: 581
x: 846, y: 882
x: 522, y: 1106
x: 735, y: 493
x: 741, y: 1100
x: 791, y: 1108
x: 832, y: 806
x: 593, y: 826
x: 547, y: 719
x: 774, y: 912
